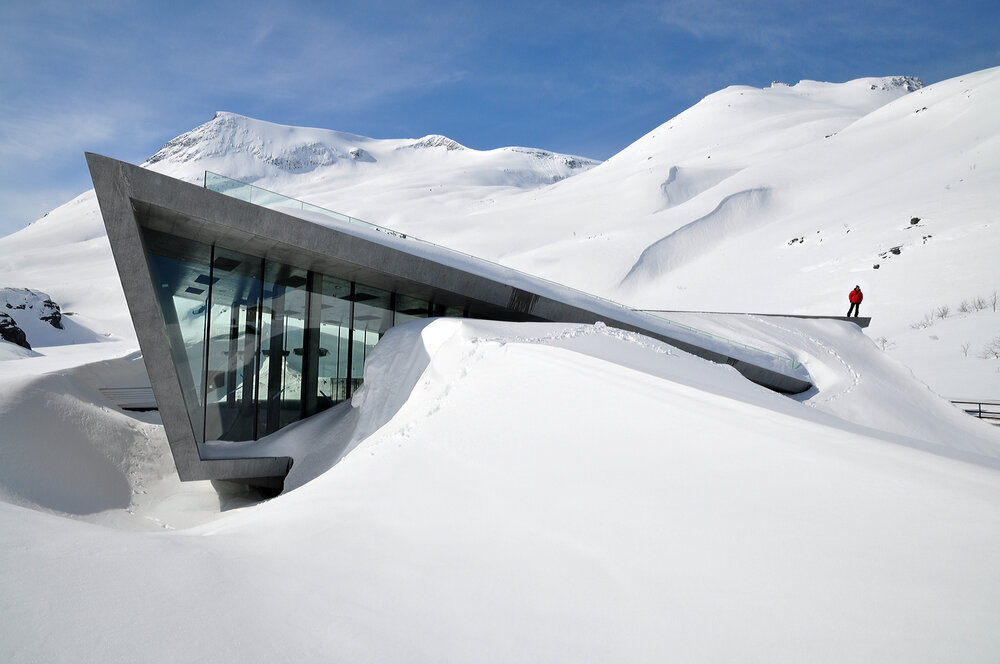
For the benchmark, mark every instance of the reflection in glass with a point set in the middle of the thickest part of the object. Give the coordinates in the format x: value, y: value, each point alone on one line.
x: 284, y: 316
x: 410, y: 308
x: 372, y: 317
x: 333, y: 344
x: 180, y: 274
x: 260, y: 344
x: 233, y: 340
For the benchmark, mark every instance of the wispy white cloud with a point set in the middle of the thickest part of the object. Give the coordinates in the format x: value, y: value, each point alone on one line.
x: 38, y: 134
x: 319, y: 61
x: 124, y: 77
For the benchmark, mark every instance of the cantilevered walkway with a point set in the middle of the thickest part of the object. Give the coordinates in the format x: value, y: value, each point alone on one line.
x: 245, y: 302
x: 547, y: 300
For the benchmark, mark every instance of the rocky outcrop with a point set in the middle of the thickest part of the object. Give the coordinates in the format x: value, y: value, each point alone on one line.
x: 24, y: 311
x: 51, y: 314
x: 435, y: 141
x: 9, y: 331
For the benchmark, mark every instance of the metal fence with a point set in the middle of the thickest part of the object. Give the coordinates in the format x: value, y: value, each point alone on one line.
x: 984, y: 410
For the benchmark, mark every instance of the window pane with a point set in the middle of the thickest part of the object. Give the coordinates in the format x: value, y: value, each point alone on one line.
x: 233, y: 339
x: 372, y: 317
x: 283, y: 319
x: 260, y: 344
x: 448, y: 312
x: 410, y: 308
x: 334, y: 327
x: 180, y: 270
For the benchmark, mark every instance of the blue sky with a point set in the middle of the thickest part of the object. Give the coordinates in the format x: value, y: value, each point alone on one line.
x: 582, y: 77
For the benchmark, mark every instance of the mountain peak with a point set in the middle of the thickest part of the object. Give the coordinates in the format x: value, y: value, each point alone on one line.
x: 254, y: 143
x: 907, y: 83
x: 436, y: 141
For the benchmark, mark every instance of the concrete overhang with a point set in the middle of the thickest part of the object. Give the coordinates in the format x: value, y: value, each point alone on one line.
x: 132, y: 198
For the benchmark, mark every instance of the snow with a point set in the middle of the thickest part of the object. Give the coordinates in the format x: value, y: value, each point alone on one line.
x: 554, y: 492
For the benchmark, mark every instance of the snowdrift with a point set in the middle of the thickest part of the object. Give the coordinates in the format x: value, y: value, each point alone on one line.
x: 776, y: 200
x: 507, y: 492
x: 550, y: 492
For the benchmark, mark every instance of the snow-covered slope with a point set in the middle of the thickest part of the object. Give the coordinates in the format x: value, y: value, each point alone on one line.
x: 364, y: 177
x: 780, y: 200
x: 66, y: 253
x: 627, y: 202
x: 766, y: 200
x: 551, y: 493
x: 502, y: 492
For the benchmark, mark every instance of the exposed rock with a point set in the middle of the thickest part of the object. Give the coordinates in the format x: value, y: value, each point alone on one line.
x: 23, y: 309
x: 11, y: 332
x: 300, y: 158
x: 52, y: 315
x: 229, y: 134
x: 908, y: 83
x: 436, y: 141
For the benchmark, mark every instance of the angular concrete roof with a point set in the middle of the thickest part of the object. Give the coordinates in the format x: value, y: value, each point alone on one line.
x: 132, y: 198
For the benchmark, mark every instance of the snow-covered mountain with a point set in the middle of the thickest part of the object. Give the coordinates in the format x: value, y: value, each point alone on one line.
x: 364, y: 177
x: 775, y: 200
x: 627, y: 502
x: 360, y: 176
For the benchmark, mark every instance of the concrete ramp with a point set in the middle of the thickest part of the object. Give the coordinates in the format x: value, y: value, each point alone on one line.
x: 860, y: 321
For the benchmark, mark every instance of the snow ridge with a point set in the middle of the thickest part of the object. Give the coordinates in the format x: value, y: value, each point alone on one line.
x: 736, y: 215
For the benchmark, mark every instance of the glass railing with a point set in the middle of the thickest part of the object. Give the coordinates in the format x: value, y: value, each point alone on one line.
x: 269, y: 199
x: 713, y: 342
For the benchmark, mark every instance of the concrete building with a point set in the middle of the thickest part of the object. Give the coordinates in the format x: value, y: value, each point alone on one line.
x: 251, y: 316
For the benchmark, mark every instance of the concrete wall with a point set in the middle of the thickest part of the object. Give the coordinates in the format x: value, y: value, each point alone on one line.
x: 131, y: 197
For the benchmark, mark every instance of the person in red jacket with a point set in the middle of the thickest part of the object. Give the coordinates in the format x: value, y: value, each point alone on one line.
x: 855, y: 299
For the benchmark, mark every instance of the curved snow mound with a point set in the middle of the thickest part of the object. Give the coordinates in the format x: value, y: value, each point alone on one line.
x: 67, y: 448
x: 12, y: 351
x: 421, y: 374
x: 543, y: 478
x: 736, y: 215
x: 859, y: 384
x: 400, y: 360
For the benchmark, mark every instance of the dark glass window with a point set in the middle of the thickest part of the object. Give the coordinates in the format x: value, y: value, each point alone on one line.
x: 234, y: 338
x: 334, y: 322
x: 283, y: 328
x: 176, y: 266
x: 259, y: 344
x: 372, y: 316
x: 410, y: 308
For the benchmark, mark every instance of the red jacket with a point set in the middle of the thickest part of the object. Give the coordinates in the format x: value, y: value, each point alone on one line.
x: 856, y: 296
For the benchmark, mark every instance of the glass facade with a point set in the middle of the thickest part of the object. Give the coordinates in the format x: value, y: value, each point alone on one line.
x: 260, y: 344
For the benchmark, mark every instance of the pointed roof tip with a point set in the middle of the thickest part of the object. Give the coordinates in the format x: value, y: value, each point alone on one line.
x: 93, y: 157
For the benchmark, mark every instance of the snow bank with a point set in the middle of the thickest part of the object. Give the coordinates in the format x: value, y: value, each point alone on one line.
x: 846, y: 166
x: 68, y: 449
x: 546, y: 493
x: 865, y: 388
x: 502, y: 492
